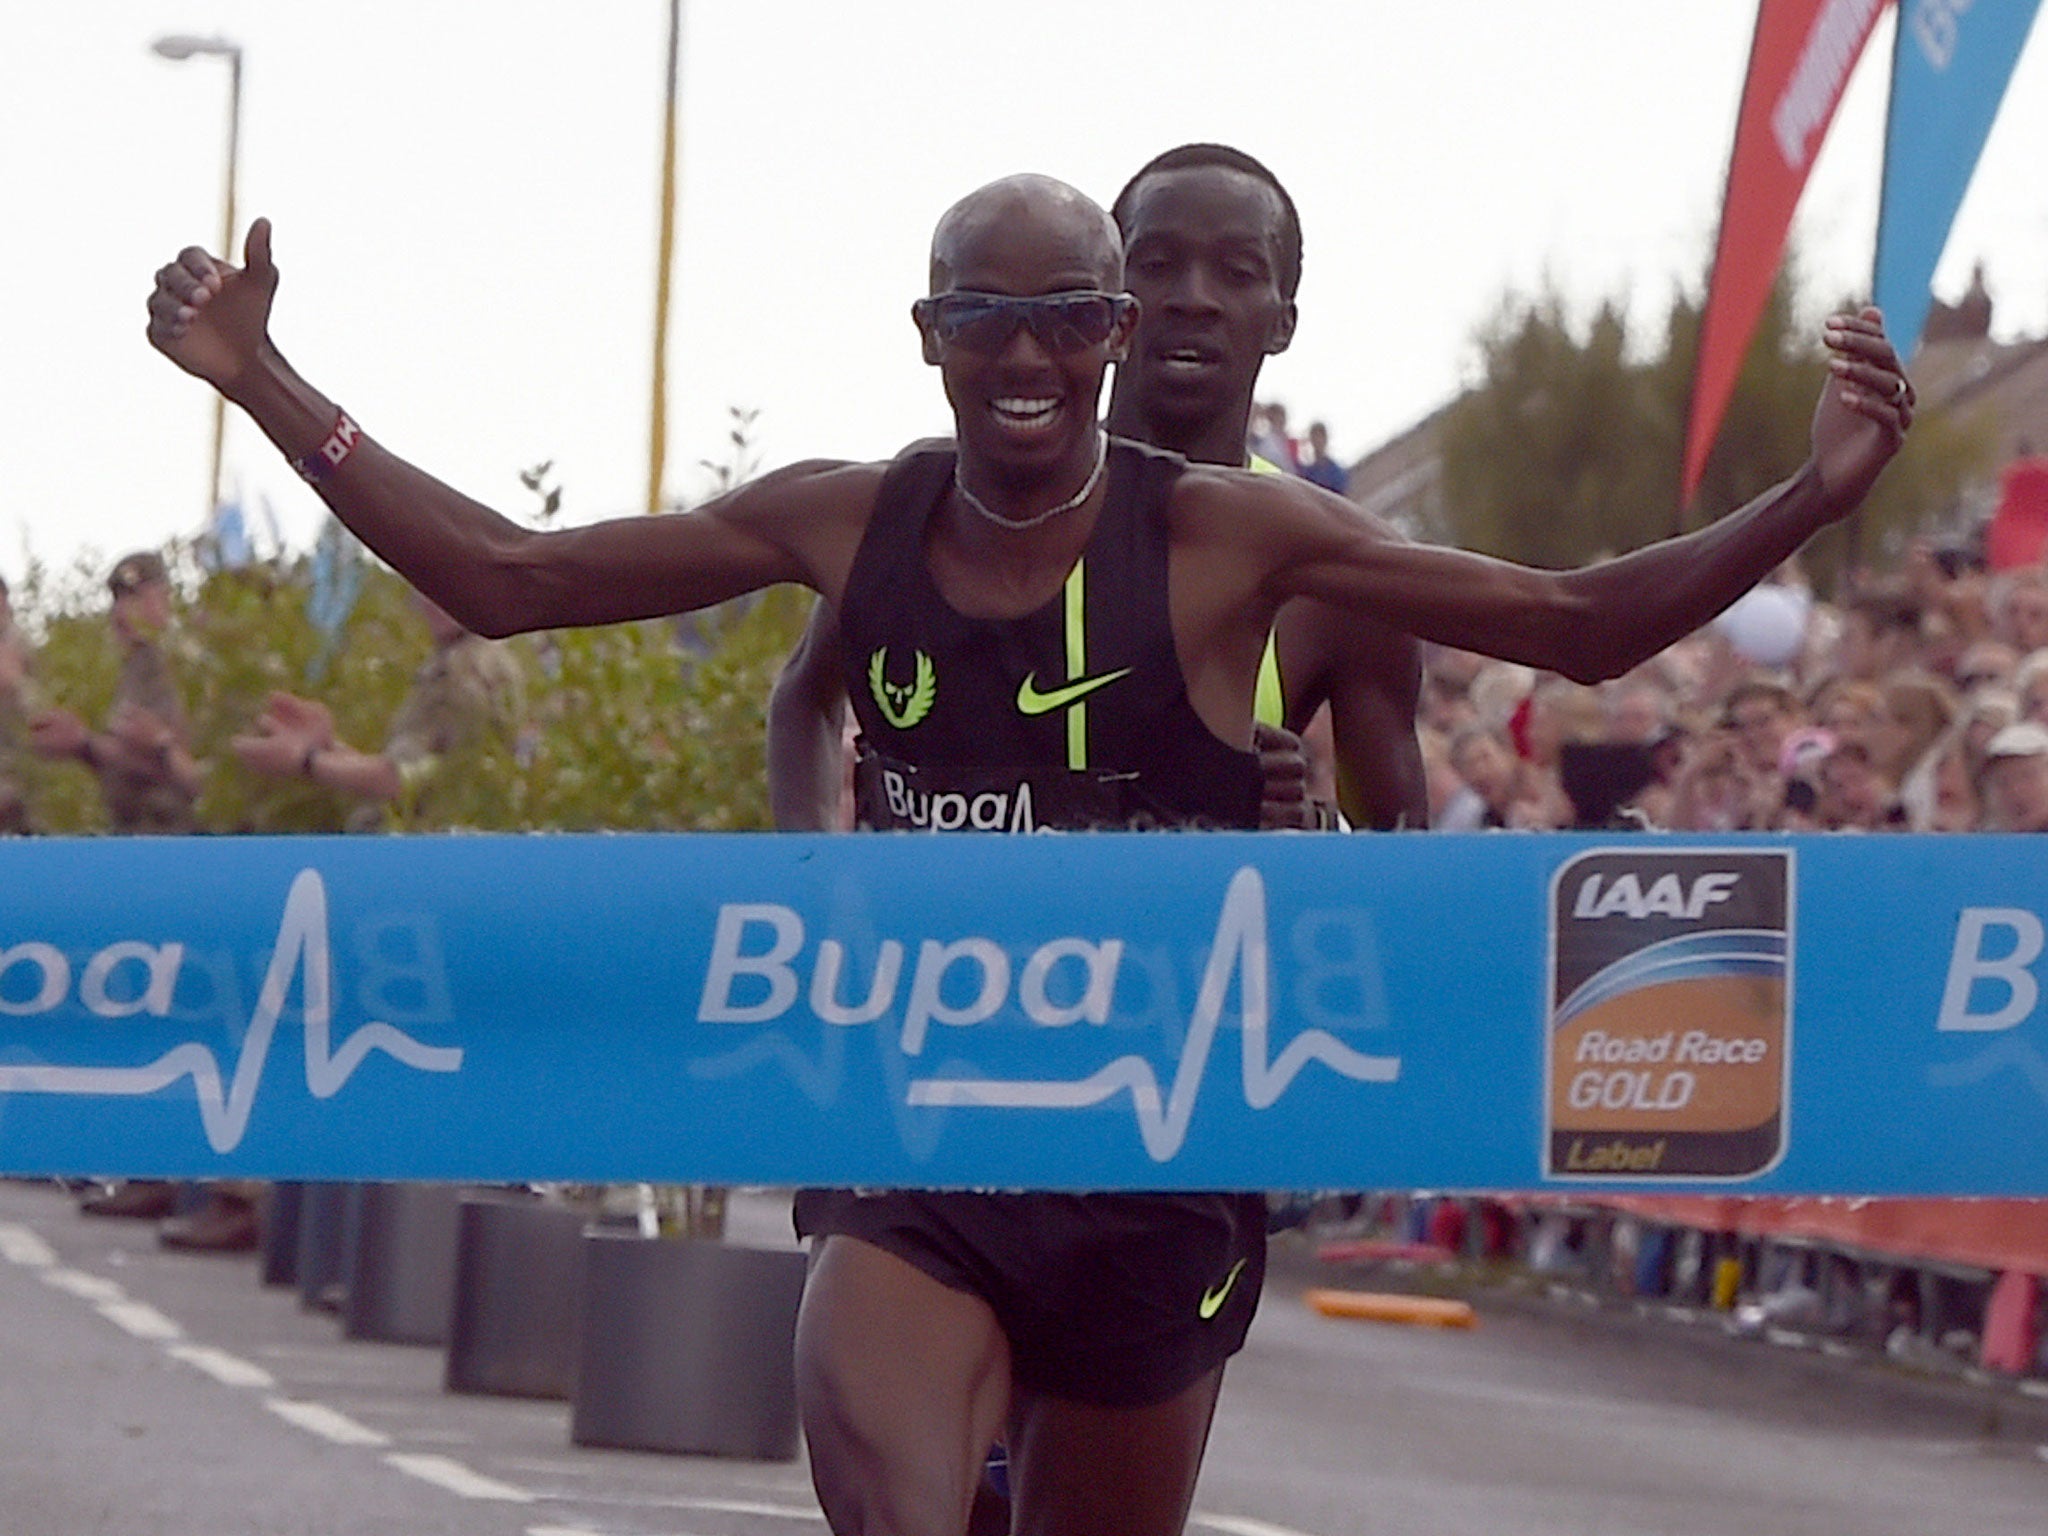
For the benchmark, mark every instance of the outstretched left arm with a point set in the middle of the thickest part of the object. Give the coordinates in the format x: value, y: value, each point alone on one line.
x: 1599, y: 621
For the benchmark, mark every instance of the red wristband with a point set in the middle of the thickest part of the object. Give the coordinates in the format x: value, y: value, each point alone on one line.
x: 327, y: 458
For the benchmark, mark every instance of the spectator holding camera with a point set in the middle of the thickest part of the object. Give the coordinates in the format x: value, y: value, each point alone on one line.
x: 1855, y: 796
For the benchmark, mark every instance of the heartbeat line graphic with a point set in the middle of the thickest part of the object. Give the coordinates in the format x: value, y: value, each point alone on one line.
x: 2007, y: 1055
x: 224, y: 1108
x: 1240, y: 945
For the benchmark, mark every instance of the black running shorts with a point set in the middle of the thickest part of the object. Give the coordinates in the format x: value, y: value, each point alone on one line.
x: 1122, y: 1300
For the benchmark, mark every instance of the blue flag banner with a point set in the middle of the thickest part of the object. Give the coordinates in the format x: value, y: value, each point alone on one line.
x: 1951, y: 62
x: 1754, y: 1015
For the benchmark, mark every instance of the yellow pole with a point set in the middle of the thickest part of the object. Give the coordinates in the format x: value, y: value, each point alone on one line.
x: 657, y: 445
x: 228, y: 253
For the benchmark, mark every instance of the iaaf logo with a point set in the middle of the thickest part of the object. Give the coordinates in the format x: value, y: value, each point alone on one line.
x: 1666, y: 897
x: 739, y: 961
x: 225, y: 1103
x: 1670, y: 1013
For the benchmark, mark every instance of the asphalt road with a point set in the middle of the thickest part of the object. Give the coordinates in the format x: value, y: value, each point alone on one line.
x: 154, y: 1394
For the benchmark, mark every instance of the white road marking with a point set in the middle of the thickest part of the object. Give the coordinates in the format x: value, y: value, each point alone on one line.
x: 445, y: 1472
x: 141, y: 1319
x: 746, y: 1507
x: 2034, y: 1387
x: 561, y: 1530
x: 1238, y: 1525
x: 86, y: 1287
x: 18, y: 1245
x: 319, y: 1419
x: 229, y: 1370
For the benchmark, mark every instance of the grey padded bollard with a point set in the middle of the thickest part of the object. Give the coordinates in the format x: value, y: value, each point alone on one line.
x: 688, y: 1346
x: 278, y: 1227
x: 324, y: 1239
x: 402, y: 1280
x: 518, y: 1298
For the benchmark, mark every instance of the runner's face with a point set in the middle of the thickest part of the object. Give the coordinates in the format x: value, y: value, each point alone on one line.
x: 1027, y: 407
x: 1202, y: 253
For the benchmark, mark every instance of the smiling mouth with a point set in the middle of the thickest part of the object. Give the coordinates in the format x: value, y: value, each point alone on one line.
x: 1026, y: 413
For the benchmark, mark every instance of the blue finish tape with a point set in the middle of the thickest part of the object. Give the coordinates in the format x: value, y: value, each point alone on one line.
x: 1761, y: 1015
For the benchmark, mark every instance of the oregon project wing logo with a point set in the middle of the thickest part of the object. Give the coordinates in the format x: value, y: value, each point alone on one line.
x: 902, y: 704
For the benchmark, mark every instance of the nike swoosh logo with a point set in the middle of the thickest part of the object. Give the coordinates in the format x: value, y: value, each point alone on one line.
x: 1031, y: 702
x: 1212, y: 1300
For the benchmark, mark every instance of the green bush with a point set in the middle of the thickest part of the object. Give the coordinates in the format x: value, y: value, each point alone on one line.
x: 649, y: 726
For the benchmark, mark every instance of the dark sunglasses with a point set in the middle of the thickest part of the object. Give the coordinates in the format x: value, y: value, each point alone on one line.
x: 1061, y: 322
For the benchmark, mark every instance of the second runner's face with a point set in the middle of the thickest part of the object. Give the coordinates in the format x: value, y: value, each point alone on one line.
x: 1202, y: 254
x: 1026, y: 407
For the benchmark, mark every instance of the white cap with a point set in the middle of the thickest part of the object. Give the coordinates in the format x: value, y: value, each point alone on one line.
x: 2024, y: 738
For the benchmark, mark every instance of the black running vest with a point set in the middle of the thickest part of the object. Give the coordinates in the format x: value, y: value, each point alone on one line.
x: 1073, y: 716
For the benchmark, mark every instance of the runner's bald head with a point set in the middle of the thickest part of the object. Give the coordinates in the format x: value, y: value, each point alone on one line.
x: 1026, y: 215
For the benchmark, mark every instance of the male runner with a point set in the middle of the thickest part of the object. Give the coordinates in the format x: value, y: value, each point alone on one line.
x: 1213, y: 254
x: 909, y: 1369
x: 1212, y: 251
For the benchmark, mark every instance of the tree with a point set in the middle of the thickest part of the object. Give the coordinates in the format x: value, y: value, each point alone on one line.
x: 1544, y: 463
x: 1569, y: 448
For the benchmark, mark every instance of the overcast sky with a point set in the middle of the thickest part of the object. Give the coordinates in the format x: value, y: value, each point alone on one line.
x: 465, y: 199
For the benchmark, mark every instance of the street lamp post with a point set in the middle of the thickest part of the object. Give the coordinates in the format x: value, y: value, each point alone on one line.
x: 180, y: 47
x: 657, y: 424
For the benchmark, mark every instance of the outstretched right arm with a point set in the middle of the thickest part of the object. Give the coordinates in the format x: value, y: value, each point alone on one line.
x: 495, y: 577
x: 807, y: 731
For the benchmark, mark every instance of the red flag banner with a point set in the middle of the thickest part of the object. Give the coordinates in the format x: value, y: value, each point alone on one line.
x: 1799, y: 62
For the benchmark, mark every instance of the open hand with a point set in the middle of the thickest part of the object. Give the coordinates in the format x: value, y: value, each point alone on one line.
x: 211, y: 318
x: 1864, y: 411
x: 141, y: 730
x: 285, y: 733
x: 58, y: 733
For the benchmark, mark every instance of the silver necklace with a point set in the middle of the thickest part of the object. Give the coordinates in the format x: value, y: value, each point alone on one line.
x: 1017, y: 524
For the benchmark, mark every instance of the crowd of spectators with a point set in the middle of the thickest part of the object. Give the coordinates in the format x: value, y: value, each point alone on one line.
x: 1917, y: 702
x: 1308, y: 456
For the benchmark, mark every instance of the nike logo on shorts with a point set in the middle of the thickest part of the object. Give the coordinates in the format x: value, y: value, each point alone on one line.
x: 1031, y: 702
x: 1213, y: 1299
